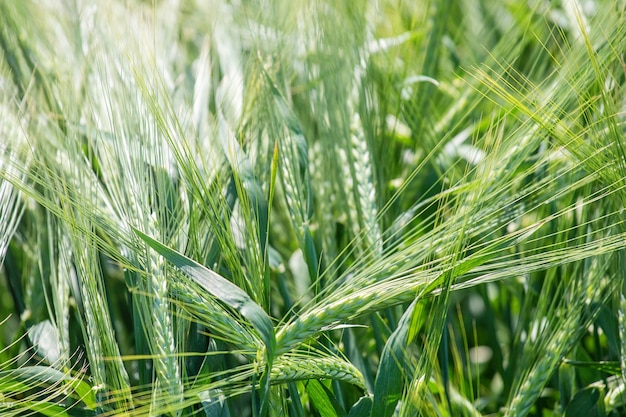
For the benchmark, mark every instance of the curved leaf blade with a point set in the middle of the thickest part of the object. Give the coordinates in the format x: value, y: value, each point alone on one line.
x: 584, y: 403
x: 361, y: 408
x: 221, y: 288
x: 392, y: 369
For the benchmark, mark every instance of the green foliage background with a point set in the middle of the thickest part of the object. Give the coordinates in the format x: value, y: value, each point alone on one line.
x: 312, y: 208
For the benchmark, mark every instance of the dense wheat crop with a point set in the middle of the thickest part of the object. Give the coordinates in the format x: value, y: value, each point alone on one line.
x: 312, y: 208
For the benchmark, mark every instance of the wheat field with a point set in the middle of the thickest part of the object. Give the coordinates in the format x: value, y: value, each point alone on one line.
x: 313, y: 208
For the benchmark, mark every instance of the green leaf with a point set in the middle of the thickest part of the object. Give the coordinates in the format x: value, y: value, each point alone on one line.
x: 214, y: 403
x: 361, y: 408
x: 84, y: 391
x: 295, y: 403
x: 220, y: 288
x: 47, y: 409
x: 583, y: 404
x: 323, y: 399
x: 392, y: 368
x: 45, y: 339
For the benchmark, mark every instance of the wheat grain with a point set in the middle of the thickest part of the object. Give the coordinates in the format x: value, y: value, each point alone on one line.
x: 567, y: 317
x: 100, y: 338
x: 293, y: 182
x: 365, y: 189
x: 346, y: 306
x: 348, y: 189
x: 165, y: 361
x: 292, y: 367
x: 533, y: 382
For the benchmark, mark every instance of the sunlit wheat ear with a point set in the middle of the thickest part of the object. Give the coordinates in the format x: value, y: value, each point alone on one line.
x: 365, y: 188
x: 295, y: 368
x: 166, y: 365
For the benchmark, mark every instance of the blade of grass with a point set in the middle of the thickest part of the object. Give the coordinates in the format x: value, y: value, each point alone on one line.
x: 221, y: 288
